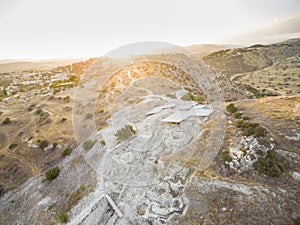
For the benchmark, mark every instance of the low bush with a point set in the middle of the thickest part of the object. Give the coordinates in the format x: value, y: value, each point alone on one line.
x: 31, y: 107
x: 239, y: 123
x: 12, y: 146
x: 6, y: 121
x: 67, y: 98
x: 66, y: 152
x: 171, y: 95
x: 260, y: 131
x: 245, y: 118
x: 125, y: 133
x: 250, y: 128
x: 43, y: 144
x: 52, y: 173
x: 231, y: 108
x: 39, y: 112
x: 88, y: 144
x: 63, y: 119
x: 102, y: 142
x: 226, y: 156
x: 269, y: 165
x: 63, y: 217
x: 54, y: 145
x: 238, y: 115
x: 197, y: 98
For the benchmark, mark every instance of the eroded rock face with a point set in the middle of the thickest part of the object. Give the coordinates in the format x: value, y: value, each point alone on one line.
x: 246, y: 152
x: 153, y: 204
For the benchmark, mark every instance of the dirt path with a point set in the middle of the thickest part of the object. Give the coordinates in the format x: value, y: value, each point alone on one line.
x: 27, y: 163
x: 232, y: 78
x: 23, y: 160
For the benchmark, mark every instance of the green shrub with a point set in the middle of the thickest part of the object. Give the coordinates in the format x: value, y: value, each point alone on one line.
x: 239, y: 123
x: 248, y: 131
x: 255, y: 92
x: 244, y: 150
x: 31, y: 107
x: 43, y: 144
x: 102, y: 142
x: 54, y: 145
x: 238, y: 115
x: 260, y: 131
x: 171, y: 95
x: 6, y: 121
x: 63, y: 119
x: 269, y: 165
x: 226, y: 156
x: 88, y: 144
x: 39, y: 112
x: 250, y: 128
x: 66, y: 152
x: 52, y: 173
x: 67, y: 98
x: 197, y: 98
x: 231, y: 108
x: 4, y: 92
x: 12, y: 146
x: 125, y: 133
x: 89, y: 116
x: 63, y: 217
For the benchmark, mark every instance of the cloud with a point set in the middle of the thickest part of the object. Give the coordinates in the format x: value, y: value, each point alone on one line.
x: 278, y: 31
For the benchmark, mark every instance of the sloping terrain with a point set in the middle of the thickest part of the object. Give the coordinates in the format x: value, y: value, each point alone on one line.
x: 281, y: 78
x: 130, y: 167
x: 261, y: 70
x: 256, y: 57
x: 35, y: 122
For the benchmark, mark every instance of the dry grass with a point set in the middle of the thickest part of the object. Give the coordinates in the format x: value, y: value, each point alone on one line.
x: 282, y: 78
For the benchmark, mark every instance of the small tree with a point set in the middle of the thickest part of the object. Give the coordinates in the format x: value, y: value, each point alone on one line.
x: 52, y: 173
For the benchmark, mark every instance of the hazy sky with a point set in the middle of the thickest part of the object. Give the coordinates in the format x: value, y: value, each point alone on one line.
x: 71, y: 28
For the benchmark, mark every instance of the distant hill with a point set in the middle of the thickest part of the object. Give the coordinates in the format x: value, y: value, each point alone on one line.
x: 241, y: 60
x: 10, y: 65
x: 205, y: 49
